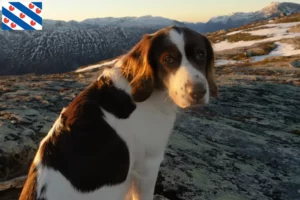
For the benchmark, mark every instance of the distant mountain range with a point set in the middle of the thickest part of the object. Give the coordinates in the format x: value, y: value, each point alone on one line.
x: 64, y: 46
x: 62, y: 49
x: 237, y: 19
x: 233, y: 20
x: 216, y: 23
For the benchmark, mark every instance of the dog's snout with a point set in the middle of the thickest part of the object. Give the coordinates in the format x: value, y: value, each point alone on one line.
x: 195, y: 91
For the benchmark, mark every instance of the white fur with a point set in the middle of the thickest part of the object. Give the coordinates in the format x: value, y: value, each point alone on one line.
x: 146, y: 134
x: 115, y: 75
x: 185, y: 73
x: 58, y: 187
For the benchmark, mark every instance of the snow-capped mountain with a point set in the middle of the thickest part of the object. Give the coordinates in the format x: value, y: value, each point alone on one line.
x: 64, y: 48
x: 240, y: 18
x: 274, y: 9
x: 132, y: 22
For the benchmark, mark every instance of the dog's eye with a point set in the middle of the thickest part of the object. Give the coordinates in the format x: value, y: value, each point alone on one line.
x: 170, y: 59
x: 200, y: 55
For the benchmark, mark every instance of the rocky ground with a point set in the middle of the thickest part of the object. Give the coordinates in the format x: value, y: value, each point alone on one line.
x: 245, y: 145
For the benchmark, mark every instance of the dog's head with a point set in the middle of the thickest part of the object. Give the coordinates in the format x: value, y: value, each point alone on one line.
x: 176, y: 59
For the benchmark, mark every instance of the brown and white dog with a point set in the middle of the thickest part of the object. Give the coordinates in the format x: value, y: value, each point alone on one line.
x: 115, y: 131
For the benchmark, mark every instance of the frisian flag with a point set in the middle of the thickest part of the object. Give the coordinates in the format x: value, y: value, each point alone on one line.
x: 22, y: 16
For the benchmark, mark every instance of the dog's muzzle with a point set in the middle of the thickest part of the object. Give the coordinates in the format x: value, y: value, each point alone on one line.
x: 195, y: 92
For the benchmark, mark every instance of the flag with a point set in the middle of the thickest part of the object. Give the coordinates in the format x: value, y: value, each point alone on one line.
x: 22, y: 16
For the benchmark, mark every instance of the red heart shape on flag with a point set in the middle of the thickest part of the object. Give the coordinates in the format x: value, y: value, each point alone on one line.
x: 13, y: 25
x: 38, y: 11
x: 6, y: 20
x: 32, y: 23
x: 31, y: 6
x: 11, y: 8
x: 22, y: 15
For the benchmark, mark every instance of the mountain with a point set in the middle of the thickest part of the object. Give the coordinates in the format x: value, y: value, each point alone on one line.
x: 234, y: 20
x: 64, y: 46
x: 146, y: 21
x: 237, y: 19
x: 62, y: 49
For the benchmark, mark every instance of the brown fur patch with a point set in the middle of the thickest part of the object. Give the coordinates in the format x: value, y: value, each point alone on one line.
x: 29, y: 189
x: 138, y: 71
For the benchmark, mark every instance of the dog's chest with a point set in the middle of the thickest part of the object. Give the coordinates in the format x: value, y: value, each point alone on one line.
x: 148, y: 128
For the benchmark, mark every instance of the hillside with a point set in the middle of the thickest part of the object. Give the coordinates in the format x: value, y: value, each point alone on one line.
x: 260, y: 45
x: 244, y: 145
x: 64, y: 46
x: 237, y: 19
x: 62, y: 49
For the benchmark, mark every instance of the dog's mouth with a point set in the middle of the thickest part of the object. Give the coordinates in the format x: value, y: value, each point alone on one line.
x: 195, y: 103
x: 190, y: 103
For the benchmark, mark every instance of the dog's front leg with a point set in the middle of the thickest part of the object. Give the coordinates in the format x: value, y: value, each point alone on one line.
x: 145, y: 177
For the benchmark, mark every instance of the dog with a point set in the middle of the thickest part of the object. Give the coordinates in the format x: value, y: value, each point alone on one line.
x: 112, y: 136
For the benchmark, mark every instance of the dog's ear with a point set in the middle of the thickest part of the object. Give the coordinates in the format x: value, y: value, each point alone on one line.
x: 137, y: 70
x: 210, y: 69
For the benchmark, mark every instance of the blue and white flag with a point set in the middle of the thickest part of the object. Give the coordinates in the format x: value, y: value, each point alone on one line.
x: 22, y: 15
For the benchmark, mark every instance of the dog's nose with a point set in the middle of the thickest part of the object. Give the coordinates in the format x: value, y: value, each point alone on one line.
x: 196, y: 91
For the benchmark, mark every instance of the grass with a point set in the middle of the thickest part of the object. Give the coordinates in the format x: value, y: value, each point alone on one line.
x: 247, y: 26
x: 292, y: 18
x: 244, y: 53
x: 263, y: 49
x: 294, y: 41
x: 241, y: 56
x: 214, y: 38
x: 295, y: 29
x: 244, y: 37
x: 259, y: 28
x: 277, y: 59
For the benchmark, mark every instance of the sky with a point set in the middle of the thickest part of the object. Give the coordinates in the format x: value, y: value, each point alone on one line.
x: 181, y: 10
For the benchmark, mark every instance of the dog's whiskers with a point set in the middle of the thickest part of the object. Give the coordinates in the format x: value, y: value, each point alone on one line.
x: 167, y: 98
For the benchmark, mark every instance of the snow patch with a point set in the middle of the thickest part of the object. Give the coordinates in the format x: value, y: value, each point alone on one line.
x: 277, y: 32
x: 234, y: 32
x: 283, y: 49
x: 221, y: 62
